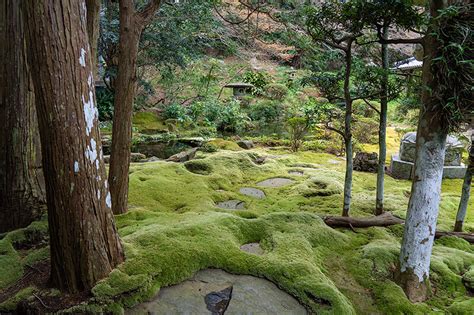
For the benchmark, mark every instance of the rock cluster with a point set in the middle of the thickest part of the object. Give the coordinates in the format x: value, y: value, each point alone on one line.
x: 366, y: 162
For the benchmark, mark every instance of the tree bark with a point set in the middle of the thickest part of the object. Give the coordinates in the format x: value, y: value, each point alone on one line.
x: 466, y: 190
x: 420, y: 225
x: 348, y: 132
x: 93, y: 11
x: 379, y: 207
x: 22, y: 196
x: 84, y: 243
x: 131, y: 27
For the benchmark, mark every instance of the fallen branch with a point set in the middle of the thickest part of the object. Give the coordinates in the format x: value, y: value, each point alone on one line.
x: 383, y: 220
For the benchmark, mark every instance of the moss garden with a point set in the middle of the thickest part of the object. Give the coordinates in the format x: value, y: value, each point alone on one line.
x: 174, y: 229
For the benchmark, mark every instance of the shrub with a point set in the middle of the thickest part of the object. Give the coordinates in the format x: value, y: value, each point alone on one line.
x: 176, y: 112
x: 266, y: 111
x: 361, y: 108
x: 297, y: 127
x: 258, y: 79
x: 276, y: 91
x: 365, y: 130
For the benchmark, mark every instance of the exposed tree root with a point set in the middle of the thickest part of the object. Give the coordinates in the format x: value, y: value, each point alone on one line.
x: 385, y: 219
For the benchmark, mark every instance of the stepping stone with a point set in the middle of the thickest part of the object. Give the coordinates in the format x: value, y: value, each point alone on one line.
x: 275, y: 182
x: 252, y: 192
x: 210, y: 290
x: 296, y: 173
x: 330, y: 161
x: 252, y: 248
x: 233, y: 204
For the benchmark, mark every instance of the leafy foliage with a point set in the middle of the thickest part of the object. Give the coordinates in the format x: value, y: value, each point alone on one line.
x: 258, y: 79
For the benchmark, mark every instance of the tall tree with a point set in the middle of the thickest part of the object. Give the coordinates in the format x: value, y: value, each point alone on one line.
x: 93, y: 18
x: 447, y: 79
x: 84, y: 243
x: 22, y: 196
x: 332, y: 24
x: 132, y: 23
x: 466, y: 189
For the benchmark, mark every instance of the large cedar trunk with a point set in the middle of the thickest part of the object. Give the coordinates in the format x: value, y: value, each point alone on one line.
x: 382, y: 129
x: 84, y: 242
x: 422, y: 213
x: 22, y: 196
x: 466, y: 190
x: 125, y: 86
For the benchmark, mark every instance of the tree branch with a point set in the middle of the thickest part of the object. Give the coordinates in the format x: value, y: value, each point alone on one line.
x: 147, y: 13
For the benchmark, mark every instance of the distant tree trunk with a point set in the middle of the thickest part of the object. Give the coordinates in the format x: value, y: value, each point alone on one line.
x: 93, y: 19
x: 420, y: 225
x: 348, y: 132
x: 466, y: 190
x: 379, y: 208
x: 22, y: 196
x: 84, y: 243
x: 131, y: 27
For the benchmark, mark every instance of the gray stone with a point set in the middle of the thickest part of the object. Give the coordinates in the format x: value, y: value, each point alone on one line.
x: 404, y: 170
x: 137, y: 157
x: 245, y: 144
x: 252, y: 192
x: 275, y: 182
x: 231, y: 204
x: 453, y: 155
x: 296, y: 173
x: 151, y: 159
x: 183, y: 156
x: 217, y: 302
x: 249, y: 295
x: 252, y: 248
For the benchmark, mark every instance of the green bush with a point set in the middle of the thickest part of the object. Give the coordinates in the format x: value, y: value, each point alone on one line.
x: 297, y: 127
x: 365, y: 130
x: 276, y: 91
x: 176, y: 112
x: 258, y: 79
x: 362, y: 109
x: 266, y: 111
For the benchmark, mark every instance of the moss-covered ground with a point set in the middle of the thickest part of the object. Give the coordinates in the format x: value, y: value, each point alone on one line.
x: 173, y: 229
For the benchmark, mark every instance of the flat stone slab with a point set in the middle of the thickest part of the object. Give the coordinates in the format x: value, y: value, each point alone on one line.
x: 233, y: 204
x: 275, y: 182
x: 252, y: 248
x: 296, y: 173
x: 252, y: 192
x: 404, y: 170
x: 214, y: 291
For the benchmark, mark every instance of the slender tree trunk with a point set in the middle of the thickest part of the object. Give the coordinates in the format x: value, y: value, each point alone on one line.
x: 22, y: 196
x: 466, y: 190
x: 382, y: 128
x: 84, y: 243
x: 348, y: 132
x: 125, y: 86
x: 422, y: 213
x: 93, y: 11
x: 131, y: 27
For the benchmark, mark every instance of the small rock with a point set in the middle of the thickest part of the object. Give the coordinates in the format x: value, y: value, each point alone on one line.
x: 217, y: 302
x: 366, y: 162
x: 151, y: 159
x: 231, y: 204
x: 246, y: 144
x: 252, y: 192
x: 296, y: 173
x: 137, y: 157
x: 183, y: 156
x: 252, y: 248
x: 275, y: 182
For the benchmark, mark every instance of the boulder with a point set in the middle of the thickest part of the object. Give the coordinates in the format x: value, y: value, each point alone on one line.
x: 246, y: 144
x: 183, y: 156
x: 137, y: 157
x: 366, y: 162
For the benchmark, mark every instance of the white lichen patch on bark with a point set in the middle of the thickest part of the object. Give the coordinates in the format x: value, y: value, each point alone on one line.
x: 91, y: 151
x: 98, y: 194
x: 108, y: 200
x: 420, y: 225
x: 76, y: 167
x: 91, y: 113
x: 82, y: 58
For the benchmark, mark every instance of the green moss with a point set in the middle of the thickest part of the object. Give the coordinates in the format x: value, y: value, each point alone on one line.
x: 10, y: 304
x: 225, y: 144
x: 462, y: 308
x: 148, y: 122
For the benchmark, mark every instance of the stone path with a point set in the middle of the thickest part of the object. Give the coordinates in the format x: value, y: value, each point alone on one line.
x: 275, y: 182
x: 214, y: 291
